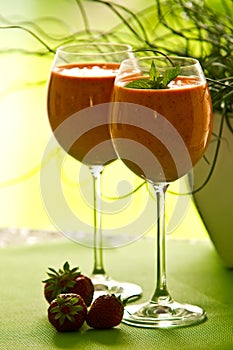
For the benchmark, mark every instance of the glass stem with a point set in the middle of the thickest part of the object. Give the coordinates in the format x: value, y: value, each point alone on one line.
x: 98, y: 268
x: 161, y: 293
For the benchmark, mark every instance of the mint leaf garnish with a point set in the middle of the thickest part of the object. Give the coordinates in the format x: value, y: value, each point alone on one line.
x: 155, y: 80
x: 141, y: 84
x: 170, y: 74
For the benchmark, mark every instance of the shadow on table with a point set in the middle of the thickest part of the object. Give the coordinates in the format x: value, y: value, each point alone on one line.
x: 95, y: 338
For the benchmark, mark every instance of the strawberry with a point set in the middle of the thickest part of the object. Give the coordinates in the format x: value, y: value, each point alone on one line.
x: 84, y: 287
x: 67, y: 312
x: 105, y: 312
x: 68, y: 280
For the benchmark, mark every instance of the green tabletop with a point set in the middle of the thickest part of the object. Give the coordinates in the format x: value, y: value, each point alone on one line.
x: 195, y: 275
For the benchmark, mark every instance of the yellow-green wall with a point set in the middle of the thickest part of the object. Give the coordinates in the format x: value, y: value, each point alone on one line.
x: 24, y: 129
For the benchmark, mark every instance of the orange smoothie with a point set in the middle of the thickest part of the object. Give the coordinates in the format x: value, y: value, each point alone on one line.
x: 73, y: 88
x: 185, y: 104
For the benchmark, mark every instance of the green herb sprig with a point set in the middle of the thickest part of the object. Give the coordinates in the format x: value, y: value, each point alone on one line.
x: 155, y: 80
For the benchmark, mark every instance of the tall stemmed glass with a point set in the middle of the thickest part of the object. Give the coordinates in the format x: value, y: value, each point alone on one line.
x: 160, y: 130
x: 82, y: 78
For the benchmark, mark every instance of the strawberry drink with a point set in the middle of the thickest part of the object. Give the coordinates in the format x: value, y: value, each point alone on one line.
x: 73, y: 88
x: 160, y: 124
x: 176, y: 104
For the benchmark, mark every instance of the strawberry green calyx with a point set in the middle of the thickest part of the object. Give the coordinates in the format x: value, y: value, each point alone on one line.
x: 67, y: 280
x: 66, y: 308
x: 60, y: 281
x: 67, y: 312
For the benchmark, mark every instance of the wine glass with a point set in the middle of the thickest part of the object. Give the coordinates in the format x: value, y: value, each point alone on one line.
x: 81, y: 79
x: 160, y: 130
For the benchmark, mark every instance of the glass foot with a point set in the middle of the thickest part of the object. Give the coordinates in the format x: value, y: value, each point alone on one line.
x: 153, y: 315
x: 105, y: 285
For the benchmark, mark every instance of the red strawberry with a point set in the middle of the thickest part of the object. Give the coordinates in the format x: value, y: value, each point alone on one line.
x: 84, y: 286
x: 105, y: 312
x: 68, y: 280
x: 67, y: 312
